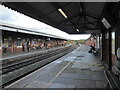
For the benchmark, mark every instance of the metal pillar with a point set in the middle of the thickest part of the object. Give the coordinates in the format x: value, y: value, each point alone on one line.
x: 110, y: 49
x: 103, y: 45
x: 13, y: 45
x: 96, y: 42
x: 99, y: 41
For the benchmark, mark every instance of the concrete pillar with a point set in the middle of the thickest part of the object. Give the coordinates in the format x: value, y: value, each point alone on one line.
x: 110, y: 49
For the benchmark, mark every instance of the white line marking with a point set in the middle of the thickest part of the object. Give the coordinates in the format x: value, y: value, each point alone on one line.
x: 56, y: 76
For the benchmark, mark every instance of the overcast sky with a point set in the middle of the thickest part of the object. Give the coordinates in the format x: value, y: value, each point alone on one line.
x: 16, y: 18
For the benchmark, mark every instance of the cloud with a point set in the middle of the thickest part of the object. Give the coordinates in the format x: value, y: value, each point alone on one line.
x: 7, y: 15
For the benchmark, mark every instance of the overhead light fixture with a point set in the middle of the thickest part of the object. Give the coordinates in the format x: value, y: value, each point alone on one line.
x: 61, y: 11
x: 106, y: 24
x: 81, y: 9
x: 77, y: 30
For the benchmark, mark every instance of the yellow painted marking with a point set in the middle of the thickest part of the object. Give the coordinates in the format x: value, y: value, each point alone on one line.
x: 100, y: 68
x: 99, y: 64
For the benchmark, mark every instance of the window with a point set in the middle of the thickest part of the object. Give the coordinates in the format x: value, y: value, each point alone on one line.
x: 19, y: 43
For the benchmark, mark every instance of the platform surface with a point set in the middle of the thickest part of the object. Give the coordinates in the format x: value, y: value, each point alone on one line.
x: 78, y: 69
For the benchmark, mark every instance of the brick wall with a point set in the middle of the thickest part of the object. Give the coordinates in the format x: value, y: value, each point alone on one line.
x: 90, y: 42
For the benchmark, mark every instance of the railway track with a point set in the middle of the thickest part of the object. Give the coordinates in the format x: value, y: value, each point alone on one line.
x: 14, y: 66
x: 7, y: 62
x: 18, y: 69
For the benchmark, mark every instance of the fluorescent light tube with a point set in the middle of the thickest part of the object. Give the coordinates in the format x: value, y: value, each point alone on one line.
x: 77, y: 30
x: 106, y: 24
x: 61, y: 11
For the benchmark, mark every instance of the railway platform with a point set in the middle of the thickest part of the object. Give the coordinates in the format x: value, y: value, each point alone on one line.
x: 77, y: 69
x: 26, y: 53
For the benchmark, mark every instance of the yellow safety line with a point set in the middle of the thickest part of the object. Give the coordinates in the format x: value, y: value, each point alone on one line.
x: 100, y: 68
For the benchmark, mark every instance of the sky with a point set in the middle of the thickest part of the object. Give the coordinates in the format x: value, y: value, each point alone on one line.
x: 16, y: 18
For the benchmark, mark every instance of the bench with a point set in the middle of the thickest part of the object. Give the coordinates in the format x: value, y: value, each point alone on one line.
x: 113, y: 79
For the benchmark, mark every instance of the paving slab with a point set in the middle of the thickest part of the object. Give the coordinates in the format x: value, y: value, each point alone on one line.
x: 101, y: 84
x: 63, y: 80
x: 86, y: 84
x: 71, y: 70
x: 86, y: 77
x: 99, y: 78
x: 69, y: 75
x: 36, y: 84
x: 64, y: 86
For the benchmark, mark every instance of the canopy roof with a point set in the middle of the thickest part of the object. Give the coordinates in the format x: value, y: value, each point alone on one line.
x: 80, y: 17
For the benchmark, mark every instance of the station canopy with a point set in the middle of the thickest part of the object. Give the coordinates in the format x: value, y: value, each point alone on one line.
x: 70, y: 17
